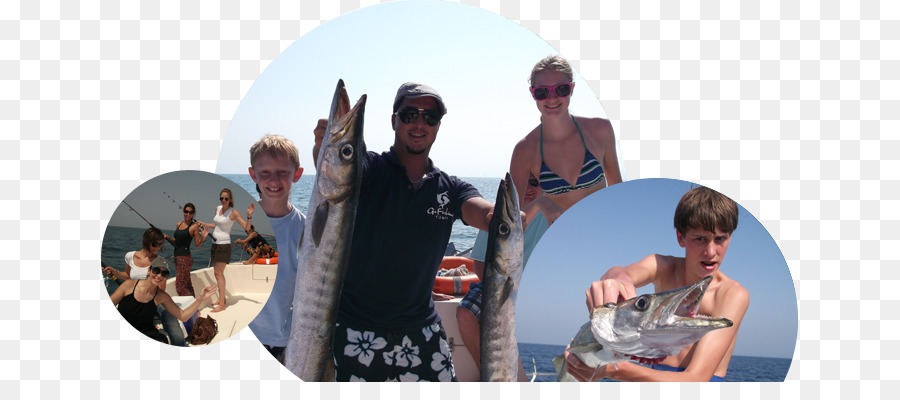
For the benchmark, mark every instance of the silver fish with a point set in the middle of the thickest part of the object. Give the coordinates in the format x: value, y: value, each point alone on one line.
x: 325, y: 246
x: 646, y: 328
x: 502, y: 273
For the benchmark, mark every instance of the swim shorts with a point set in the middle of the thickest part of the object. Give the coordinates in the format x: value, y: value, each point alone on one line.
x: 418, y: 355
x: 472, y: 300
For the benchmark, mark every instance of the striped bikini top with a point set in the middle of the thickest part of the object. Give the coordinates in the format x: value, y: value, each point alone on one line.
x: 591, y: 171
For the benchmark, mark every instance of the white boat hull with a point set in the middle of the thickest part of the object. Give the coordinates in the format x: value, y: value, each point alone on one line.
x: 247, y: 288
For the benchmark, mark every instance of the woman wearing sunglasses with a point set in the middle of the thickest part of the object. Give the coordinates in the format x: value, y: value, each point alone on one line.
x: 186, y: 231
x: 225, y: 217
x: 571, y: 156
x: 137, y: 263
x: 137, y: 301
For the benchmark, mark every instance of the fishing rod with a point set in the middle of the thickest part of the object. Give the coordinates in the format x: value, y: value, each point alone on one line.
x: 193, y: 219
x: 139, y: 214
x: 173, y: 200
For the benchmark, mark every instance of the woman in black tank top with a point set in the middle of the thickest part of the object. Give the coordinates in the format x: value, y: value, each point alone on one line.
x: 137, y: 300
x: 186, y: 231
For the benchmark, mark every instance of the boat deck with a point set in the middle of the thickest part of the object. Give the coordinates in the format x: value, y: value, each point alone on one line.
x: 247, y: 289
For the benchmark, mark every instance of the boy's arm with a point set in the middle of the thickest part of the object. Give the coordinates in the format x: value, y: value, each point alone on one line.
x: 620, y: 282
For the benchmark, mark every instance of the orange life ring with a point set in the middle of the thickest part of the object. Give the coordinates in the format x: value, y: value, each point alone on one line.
x: 455, y: 285
x: 270, y: 260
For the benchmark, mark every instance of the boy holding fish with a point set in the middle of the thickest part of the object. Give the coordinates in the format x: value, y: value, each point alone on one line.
x: 275, y: 167
x: 704, y: 221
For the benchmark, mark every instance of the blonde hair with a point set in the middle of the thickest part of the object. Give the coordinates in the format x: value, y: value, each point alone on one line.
x: 275, y: 146
x: 552, y: 63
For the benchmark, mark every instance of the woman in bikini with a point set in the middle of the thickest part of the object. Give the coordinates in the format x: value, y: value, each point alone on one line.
x: 221, y: 248
x: 137, y: 301
x: 186, y: 231
x: 571, y: 156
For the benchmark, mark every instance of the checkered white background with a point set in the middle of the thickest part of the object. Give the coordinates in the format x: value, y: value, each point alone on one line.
x: 791, y: 108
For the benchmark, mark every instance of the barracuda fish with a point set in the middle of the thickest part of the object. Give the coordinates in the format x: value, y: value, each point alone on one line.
x: 502, y: 273
x: 647, y: 329
x: 326, y: 241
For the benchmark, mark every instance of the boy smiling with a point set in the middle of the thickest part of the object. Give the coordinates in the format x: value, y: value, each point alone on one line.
x: 275, y: 167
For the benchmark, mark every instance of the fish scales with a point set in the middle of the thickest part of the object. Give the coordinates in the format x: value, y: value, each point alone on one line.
x: 502, y: 274
x: 325, y: 246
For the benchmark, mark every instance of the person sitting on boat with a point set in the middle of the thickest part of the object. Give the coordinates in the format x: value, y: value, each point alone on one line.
x: 256, y: 245
x: 547, y: 151
x: 137, y: 263
x: 275, y: 167
x: 220, y: 253
x: 137, y: 301
x: 186, y: 231
x: 704, y: 221
x: 406, y: 211
x: 540, y: 213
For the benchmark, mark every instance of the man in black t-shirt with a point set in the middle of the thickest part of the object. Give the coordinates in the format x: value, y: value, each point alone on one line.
x: 388, y: 328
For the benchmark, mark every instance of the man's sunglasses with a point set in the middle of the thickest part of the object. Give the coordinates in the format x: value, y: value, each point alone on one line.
x: 561, y: 90
x: 409, y: 115
x: 160, y: 271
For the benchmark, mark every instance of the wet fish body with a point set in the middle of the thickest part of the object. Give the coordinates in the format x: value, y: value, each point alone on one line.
x: 646, y: 328
x: 502, y: 274
x: 325, y: 246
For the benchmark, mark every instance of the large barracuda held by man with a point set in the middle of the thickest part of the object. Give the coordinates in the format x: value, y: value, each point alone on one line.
x: 646, y: 328
x: 502, y: 273
x: 325, y: 246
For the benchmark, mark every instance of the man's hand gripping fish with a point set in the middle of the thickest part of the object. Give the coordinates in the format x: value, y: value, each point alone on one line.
x: 647, y: 328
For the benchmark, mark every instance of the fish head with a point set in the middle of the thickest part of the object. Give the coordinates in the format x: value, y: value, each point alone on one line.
x: 655, y: 326
x: 506, y: 233
x: 340, y: 156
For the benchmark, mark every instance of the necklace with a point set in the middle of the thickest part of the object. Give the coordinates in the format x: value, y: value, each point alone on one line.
x: 418, y: 181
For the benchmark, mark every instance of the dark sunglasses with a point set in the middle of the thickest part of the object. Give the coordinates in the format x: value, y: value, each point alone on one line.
x: 409, y: 115
x: 561, y: 90
x: 188, y: 212
x: 533, y: 182
x: 160, y: 271
x: 157, y: 244
x: 223, y: 199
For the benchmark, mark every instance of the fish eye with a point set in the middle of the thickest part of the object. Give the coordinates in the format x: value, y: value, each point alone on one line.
x: 642, y: 303
x: 504, y: 229
x: 347, y: 151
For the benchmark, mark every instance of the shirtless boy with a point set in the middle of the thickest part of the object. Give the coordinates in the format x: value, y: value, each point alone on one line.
x: 704, y: 222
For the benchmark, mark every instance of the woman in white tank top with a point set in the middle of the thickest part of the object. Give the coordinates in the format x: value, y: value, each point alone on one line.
x: 223, y: 221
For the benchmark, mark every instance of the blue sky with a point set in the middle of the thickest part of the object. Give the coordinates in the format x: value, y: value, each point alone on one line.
x: 478, y: 61
x: 621, y: 225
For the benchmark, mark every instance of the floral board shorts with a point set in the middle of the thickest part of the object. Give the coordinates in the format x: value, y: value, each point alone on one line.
x: 419, y: 355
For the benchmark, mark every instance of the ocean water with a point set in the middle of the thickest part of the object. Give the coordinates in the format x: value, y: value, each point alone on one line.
x: 118, y: 240
x: 462, y: 236
x: 741, y: 368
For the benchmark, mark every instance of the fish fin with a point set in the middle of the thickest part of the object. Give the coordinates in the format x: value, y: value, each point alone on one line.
x: 320, y: 218
x: 507, y: 289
